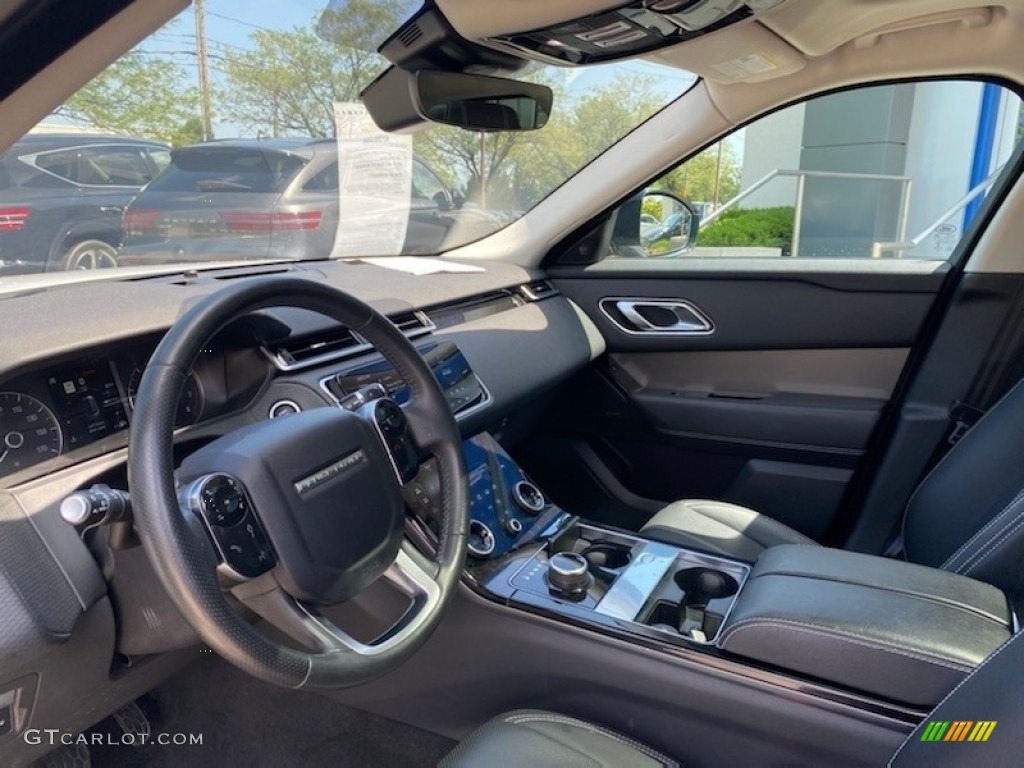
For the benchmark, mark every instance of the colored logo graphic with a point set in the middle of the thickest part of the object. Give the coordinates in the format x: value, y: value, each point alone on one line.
x: 958, y: 730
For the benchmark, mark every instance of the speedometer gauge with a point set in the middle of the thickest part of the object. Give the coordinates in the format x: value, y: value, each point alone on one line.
x: 29, y: 433
x: 190, y: 404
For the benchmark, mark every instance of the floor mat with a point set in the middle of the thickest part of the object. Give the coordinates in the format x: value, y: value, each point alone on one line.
x: 244, y: 722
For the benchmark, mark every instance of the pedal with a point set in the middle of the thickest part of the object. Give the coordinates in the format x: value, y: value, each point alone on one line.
x: 66, y: 756
x: 131, y: 719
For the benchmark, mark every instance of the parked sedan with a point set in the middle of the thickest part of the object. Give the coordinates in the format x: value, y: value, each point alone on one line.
x: 280, y: 198
x: 62, y: 195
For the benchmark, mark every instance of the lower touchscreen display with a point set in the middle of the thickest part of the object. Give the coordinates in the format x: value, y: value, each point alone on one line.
x: 462, y: 389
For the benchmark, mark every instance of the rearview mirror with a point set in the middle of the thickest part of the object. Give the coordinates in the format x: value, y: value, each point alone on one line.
x: 402, y: 101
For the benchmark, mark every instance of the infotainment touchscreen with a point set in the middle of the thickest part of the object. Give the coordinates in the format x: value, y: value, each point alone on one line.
x: 462, y: 389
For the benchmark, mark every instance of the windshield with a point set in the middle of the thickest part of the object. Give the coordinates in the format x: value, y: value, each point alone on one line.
x: 235, y: 133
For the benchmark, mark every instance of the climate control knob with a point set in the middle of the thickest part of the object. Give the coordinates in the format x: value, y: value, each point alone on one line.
x: 567, y: 574
x: 528, y: 497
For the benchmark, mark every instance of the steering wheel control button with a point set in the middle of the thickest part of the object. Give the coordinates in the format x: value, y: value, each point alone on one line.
x: 223, y: 505
x: 389, y: 421
x: 568, y: 575
x: 283, y: 408
x: 222, y: 501
x: 481, y: 539
x: 528, y: 497
x: 245, y: 550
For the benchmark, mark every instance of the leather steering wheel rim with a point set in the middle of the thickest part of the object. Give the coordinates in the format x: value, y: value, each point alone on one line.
x: 175, y: 540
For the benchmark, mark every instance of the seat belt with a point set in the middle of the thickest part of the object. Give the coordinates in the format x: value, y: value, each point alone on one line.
x: 1000, y: 369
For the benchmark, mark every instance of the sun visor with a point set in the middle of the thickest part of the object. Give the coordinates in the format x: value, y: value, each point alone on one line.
x: 753, y: 55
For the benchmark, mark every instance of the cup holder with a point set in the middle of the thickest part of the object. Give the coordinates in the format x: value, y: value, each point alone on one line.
x: 702, y: 585
x: 694, y: 604
x: 611, y: 556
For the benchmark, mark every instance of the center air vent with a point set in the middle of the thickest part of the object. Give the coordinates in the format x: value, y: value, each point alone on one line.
x: 319, y: 348
x: 305, y: 351
x: 412, y: 323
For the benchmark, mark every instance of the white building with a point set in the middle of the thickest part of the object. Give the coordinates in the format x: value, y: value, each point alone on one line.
x: 930, y: 133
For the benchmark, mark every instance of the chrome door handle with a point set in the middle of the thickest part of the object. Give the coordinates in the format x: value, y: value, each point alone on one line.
x: 657, y: 316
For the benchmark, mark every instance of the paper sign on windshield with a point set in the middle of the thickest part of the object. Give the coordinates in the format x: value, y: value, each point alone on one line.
x: 374, y: 185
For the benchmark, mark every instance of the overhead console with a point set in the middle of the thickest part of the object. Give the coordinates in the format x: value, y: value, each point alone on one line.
x: 640, y: 27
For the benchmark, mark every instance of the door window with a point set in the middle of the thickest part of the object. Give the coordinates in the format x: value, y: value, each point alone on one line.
x: 893, y: 171
x: 114, y: 166
x: 426, y: 185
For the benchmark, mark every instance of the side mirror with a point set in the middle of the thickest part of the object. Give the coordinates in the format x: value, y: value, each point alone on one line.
x: 668, y: 225
x: 458, y: 199
x: 400, y: 101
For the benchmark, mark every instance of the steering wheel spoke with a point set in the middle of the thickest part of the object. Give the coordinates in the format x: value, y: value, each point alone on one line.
x: 391, y: 423
x: 410, y: 574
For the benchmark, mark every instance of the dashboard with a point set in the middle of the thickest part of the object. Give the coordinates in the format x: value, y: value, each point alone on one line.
x: 499, y: 341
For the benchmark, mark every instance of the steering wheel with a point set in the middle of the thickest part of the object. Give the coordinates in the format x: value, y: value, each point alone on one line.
x: 294, y: 514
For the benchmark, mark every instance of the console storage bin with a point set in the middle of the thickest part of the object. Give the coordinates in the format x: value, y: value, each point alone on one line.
x: 884, y: 627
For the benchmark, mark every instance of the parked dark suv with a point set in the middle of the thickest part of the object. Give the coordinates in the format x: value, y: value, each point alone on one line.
x: 62, y: 196
x: 280, y: 198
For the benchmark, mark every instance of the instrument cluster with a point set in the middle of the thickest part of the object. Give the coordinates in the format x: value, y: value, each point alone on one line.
x: 74, y: 411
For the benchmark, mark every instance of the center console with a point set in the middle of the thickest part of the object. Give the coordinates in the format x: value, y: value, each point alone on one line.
x: 870, y: 628
x: 617, y: 579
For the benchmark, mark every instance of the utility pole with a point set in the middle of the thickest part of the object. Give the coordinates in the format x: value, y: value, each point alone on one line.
x: 718, y: 176
x: 483, y: 170
x: 204, y: 70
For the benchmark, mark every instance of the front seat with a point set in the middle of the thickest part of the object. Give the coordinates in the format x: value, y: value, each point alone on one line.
x: 990, y: 694
x: 967, y: 516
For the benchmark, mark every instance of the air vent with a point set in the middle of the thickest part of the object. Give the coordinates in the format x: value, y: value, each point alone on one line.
x: 474, y: 308
x: 541, y: 289
x: 412, y: 324
x: 410, y: 35
x: 308, y: 351
x: 302, y: 352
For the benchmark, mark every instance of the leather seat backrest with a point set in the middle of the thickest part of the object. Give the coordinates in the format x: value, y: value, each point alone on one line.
x: 968, y: 514
x: 980, y: 723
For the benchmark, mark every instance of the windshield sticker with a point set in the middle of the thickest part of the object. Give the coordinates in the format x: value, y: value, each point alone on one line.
x: 421, y: 265
x: 374, y: 185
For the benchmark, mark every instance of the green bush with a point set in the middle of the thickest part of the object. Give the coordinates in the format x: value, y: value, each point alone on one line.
x: 754, y: 227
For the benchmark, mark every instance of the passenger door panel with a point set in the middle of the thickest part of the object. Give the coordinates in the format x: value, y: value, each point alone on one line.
x: 773, y: 408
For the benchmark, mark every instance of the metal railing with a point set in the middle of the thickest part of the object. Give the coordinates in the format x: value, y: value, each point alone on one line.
x: 903, y: 244
x: 906, y: 184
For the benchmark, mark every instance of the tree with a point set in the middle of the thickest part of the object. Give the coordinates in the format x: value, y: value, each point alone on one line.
x: 486, y: 160
x: 288, y: 82
x: 581, y: 128
x: 696, y: 178
x: 522, y: 168
x: 140, y: 95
